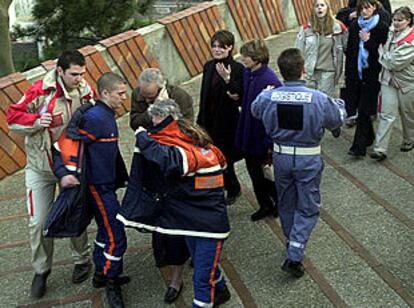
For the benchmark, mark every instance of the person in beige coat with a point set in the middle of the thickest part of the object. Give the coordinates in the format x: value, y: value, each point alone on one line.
x: 322, y: 41
x: 42, y: 115
x: 397, y: 84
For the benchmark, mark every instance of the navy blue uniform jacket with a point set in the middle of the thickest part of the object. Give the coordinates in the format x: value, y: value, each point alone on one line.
x: 175, y: 187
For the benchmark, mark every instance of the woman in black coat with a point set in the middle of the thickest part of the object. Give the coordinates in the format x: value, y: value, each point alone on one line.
x: 348, y: 14
x: 362, y: 85
x: 221, y: 92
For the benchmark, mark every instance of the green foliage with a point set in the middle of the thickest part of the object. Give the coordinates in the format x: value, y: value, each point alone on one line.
x: 143, y: 6
x: 64, y: 24
x: 25, y: 62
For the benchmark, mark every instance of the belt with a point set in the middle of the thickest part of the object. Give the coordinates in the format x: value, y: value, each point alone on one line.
x: 283, y: 149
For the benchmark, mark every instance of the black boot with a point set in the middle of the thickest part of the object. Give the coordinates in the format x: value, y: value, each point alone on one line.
x: 114, y: 294
x: 294, y: 268
x: 99, y: 280
x: 39, y: 284
x: 221, y: 296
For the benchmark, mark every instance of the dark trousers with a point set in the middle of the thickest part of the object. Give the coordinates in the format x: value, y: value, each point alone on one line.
x: 364, y: 133
x: 205, y: 253
x: 231, y: 183
x: 169, y: 249
x: 110, y: 242
x: 264, y: 189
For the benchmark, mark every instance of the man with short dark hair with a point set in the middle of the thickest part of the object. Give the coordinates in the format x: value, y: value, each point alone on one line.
x: 152, y: 86
x: 42, y: 114
x: 295, y: 117
x: 95, y: 130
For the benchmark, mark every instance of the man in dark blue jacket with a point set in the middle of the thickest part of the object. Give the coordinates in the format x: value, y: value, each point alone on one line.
x: 98, y: 131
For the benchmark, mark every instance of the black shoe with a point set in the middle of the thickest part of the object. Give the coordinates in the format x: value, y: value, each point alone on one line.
x: 294, y: 268
x: 221, y: 296
x: 39, y: 284
x: 378, y: 156
x: 114, y: 294
x: 81, y: 272
x: 356, y: 154
x: 172, y: 294
x: 99, y: 280
x: 336, y: 132
x: 232, y: 198
x: 261, y: 213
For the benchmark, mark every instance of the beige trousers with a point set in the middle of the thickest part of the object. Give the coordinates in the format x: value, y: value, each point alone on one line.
x: 323, y: 81
x: 392, y: 102
x: 41, y: 188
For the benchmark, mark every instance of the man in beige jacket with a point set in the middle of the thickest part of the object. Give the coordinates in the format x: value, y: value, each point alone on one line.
x: 42, y: 115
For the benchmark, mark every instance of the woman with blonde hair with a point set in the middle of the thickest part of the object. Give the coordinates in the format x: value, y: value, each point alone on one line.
x: 322, y: 42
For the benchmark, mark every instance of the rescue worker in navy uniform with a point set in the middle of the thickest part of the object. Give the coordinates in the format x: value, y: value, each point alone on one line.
x: 295, y: 117
x: 176, y: 187
x: 98, y: 131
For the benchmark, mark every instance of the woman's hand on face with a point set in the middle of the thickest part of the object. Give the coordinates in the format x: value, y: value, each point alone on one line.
x: 353, y: 15
x: 223, y: 71
x: 233, y: 96
x: 364, y: 35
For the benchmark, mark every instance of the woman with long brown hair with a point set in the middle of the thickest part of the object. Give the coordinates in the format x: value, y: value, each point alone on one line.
x: 362, y: 69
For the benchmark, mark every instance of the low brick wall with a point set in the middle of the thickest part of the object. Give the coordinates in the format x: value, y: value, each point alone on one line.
x: 177, y: 44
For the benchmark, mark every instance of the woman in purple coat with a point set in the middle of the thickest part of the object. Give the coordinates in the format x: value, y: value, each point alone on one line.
x: 251, y: 136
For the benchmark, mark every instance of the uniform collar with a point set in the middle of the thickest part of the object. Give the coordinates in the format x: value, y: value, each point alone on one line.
x: 295, y: 83
x: 105, y: 106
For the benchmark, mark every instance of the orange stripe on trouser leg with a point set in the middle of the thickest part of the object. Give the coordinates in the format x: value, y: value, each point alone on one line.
x: 213, y: 271
x: 106, y: 224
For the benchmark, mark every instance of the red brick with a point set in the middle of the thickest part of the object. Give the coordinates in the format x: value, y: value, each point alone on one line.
x: 15, y: 153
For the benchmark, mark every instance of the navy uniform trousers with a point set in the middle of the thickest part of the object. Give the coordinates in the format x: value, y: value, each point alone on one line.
x: 205, y: 253
x: 110, y: 243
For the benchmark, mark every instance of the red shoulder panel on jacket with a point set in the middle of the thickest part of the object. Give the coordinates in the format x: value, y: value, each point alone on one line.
x: 409, y: 38
x: 343, y: 27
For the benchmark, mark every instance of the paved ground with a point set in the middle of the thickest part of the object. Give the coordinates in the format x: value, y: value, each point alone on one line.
x: 360, y: 255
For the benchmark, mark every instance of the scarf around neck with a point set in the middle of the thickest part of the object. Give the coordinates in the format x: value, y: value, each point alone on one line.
x: 366, y: 25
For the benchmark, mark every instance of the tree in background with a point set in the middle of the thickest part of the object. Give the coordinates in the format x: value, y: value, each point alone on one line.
x: 6, y: 61
x: 63, y: 24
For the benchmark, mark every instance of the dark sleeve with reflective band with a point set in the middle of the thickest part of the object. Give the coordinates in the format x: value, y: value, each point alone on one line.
x: 168, y: 158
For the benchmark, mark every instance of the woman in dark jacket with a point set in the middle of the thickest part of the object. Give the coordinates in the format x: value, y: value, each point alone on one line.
x: 362, y: 69
x: 221, y: 91
x: 348, y: 14
x: 251, y: 137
